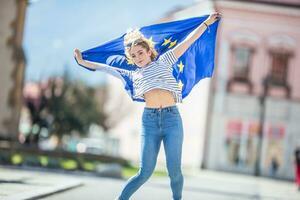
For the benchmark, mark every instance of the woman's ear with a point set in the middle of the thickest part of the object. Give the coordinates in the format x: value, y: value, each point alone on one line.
x: 149, y: 53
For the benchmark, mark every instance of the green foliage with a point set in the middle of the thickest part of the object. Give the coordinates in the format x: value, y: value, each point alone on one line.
x: 89, y: 166
x: 44, y: 161
x: 69, y: 164
x: 16, y: 159
x: 72, y: 107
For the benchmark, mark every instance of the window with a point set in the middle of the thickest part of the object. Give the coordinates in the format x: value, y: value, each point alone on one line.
x: 279, y: 68
x: 241, y: 63
x: 240, y: 81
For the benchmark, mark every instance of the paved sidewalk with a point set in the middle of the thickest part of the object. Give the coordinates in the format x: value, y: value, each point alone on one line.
x: 199, y: 184
x: 18, y: 184
x: 242, y: 186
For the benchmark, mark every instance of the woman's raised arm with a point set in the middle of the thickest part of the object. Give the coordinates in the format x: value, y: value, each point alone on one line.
x: 93, y: 66
x: 194, y: 35
x: 88, y: 64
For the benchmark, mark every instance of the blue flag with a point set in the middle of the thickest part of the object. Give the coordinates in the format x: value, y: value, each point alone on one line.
x: 195, y: 64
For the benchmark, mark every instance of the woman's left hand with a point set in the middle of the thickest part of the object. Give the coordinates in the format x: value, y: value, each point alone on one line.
x: 212, y: 18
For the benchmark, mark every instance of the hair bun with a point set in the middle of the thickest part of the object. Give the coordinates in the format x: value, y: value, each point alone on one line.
x: 133, y: 34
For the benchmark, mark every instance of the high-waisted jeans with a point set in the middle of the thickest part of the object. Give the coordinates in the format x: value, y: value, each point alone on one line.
x: 159, y: 124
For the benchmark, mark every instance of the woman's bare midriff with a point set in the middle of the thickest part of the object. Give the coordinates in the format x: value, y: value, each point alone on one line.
x: 159, y: 98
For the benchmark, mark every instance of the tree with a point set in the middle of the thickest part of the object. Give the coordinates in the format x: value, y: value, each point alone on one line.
x: 65, y: 106
x: 72, y: 106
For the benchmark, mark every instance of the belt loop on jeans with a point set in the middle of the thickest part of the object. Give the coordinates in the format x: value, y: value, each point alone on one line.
x: 168, y: 109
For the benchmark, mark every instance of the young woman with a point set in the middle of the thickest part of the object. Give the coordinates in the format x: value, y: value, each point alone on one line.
x: 161, y: 121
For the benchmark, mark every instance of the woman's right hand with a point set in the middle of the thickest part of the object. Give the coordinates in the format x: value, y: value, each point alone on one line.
x: 212, y: 18
x: 78, y: 56
x: 81, y: 61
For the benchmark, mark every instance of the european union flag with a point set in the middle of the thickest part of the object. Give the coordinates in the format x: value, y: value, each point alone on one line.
x: 195, y: 64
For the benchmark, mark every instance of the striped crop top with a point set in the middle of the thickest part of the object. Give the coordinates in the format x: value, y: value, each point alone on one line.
x: 157, y: 74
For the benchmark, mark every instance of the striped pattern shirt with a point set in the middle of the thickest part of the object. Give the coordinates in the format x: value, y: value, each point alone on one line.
x: 156, y: 75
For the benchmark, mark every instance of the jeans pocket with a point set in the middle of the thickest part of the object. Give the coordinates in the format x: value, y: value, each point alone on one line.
x: 175, y: 112
x: 149, y: 123
x: 147, y: 115
x: 171, y: 121
x: 149, y: 119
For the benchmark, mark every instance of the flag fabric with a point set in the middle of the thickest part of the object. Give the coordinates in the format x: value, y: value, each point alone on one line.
x: 195, y: 64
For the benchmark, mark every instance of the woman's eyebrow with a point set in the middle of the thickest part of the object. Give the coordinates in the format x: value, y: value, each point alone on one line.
x: 137, y: 52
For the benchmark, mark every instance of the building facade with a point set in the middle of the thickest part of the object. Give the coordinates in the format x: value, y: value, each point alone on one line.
x: 254, y: 114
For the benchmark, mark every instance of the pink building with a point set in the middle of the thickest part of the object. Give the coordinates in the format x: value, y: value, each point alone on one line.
x: 256, y: 82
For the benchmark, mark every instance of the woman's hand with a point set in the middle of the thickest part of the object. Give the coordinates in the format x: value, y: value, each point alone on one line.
x: 88, y: 64
x: 194, y: 35
x: 212, y: 18
x: 78, y: 56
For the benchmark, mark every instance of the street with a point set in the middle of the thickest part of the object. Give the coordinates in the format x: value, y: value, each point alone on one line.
x: 20, y: 183
x: 206, y: 185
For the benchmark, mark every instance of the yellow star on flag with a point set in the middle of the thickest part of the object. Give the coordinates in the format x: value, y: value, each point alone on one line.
x: 172, y: 44
x: 180, y: 84
x: 151, y: 41
x: 129, y: 61
x: 166, y: 41
x: 181, y: 66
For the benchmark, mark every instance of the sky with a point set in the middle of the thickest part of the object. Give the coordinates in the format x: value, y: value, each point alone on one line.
x: 53, y: 28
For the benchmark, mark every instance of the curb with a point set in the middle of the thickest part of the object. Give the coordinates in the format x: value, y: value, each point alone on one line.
x: 44, y: 192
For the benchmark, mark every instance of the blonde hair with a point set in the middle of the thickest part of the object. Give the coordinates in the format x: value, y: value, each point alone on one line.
x: 134, y: 37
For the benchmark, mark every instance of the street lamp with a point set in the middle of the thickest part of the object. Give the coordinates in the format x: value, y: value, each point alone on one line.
x: 262, y: 102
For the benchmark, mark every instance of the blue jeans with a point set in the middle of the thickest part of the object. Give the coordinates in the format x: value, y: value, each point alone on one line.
x: 159, y: 124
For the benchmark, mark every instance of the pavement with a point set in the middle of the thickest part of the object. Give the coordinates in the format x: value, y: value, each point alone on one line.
x: 17, y: 184
x: 199, y: 184
x: 240, y: 186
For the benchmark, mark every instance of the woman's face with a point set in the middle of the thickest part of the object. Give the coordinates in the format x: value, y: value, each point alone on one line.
x: 141, y: 57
